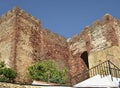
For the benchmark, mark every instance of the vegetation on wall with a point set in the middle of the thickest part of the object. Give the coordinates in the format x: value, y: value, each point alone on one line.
x: 6, y: 74
x: 47, y: 71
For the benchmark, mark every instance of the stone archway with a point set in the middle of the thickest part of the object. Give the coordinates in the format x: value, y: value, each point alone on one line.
x: 84, y: 57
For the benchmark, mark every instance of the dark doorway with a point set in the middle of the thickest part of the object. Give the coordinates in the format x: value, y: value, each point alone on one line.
x: 84, y: 56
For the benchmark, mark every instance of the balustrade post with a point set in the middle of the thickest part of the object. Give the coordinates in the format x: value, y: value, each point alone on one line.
x: 109, y: 67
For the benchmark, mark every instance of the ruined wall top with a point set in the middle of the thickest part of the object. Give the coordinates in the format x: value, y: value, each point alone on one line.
x: 100, y: 35
x: 16, y: 11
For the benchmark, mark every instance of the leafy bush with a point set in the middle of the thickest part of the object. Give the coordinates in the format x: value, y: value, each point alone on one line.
x: 4, y: 79
x: 2, y: 64
x: 6, y: 74
x: 9, y: 73
x: 47, y: 71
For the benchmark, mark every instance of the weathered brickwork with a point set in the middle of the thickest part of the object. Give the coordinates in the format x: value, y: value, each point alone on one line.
x: 7, y: 38
x: 103, y: 41
x: 23, y: 42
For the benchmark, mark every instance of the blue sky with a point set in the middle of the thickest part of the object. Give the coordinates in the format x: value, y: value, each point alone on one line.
x: 65, y: 17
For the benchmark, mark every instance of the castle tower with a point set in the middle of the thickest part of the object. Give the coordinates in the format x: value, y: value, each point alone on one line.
x: 16, y: 31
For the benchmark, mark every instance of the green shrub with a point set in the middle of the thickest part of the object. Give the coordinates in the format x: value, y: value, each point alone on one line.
x: 47, y: 71
x: 2, y: 64
x: 6, y: 74
x: 4, y: 79
x: 9, y: 73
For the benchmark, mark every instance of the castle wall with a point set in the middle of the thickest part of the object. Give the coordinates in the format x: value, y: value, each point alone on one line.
x: 16, y: 30
x: 24, y: 42
x: 7, y: 39
x: 34, y: 44
x: 103, y: 41
x: 24, y: 48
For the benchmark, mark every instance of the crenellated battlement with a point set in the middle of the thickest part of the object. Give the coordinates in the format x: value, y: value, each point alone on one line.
x: 16, y: 11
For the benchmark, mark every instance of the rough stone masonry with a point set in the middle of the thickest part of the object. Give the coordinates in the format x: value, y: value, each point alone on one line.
x: 101, y: 41
x: 24, y: 42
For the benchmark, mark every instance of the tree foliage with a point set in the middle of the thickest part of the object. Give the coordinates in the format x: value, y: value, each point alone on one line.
x: 47, y: 71
x: 6, y: 74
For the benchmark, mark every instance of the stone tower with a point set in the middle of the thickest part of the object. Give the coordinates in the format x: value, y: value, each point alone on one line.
x: 16, y: 30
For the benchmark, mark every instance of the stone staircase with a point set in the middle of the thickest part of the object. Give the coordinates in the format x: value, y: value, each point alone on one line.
x: 97, y: 81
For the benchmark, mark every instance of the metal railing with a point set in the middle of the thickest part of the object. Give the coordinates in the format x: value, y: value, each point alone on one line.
x: 103, y: 69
